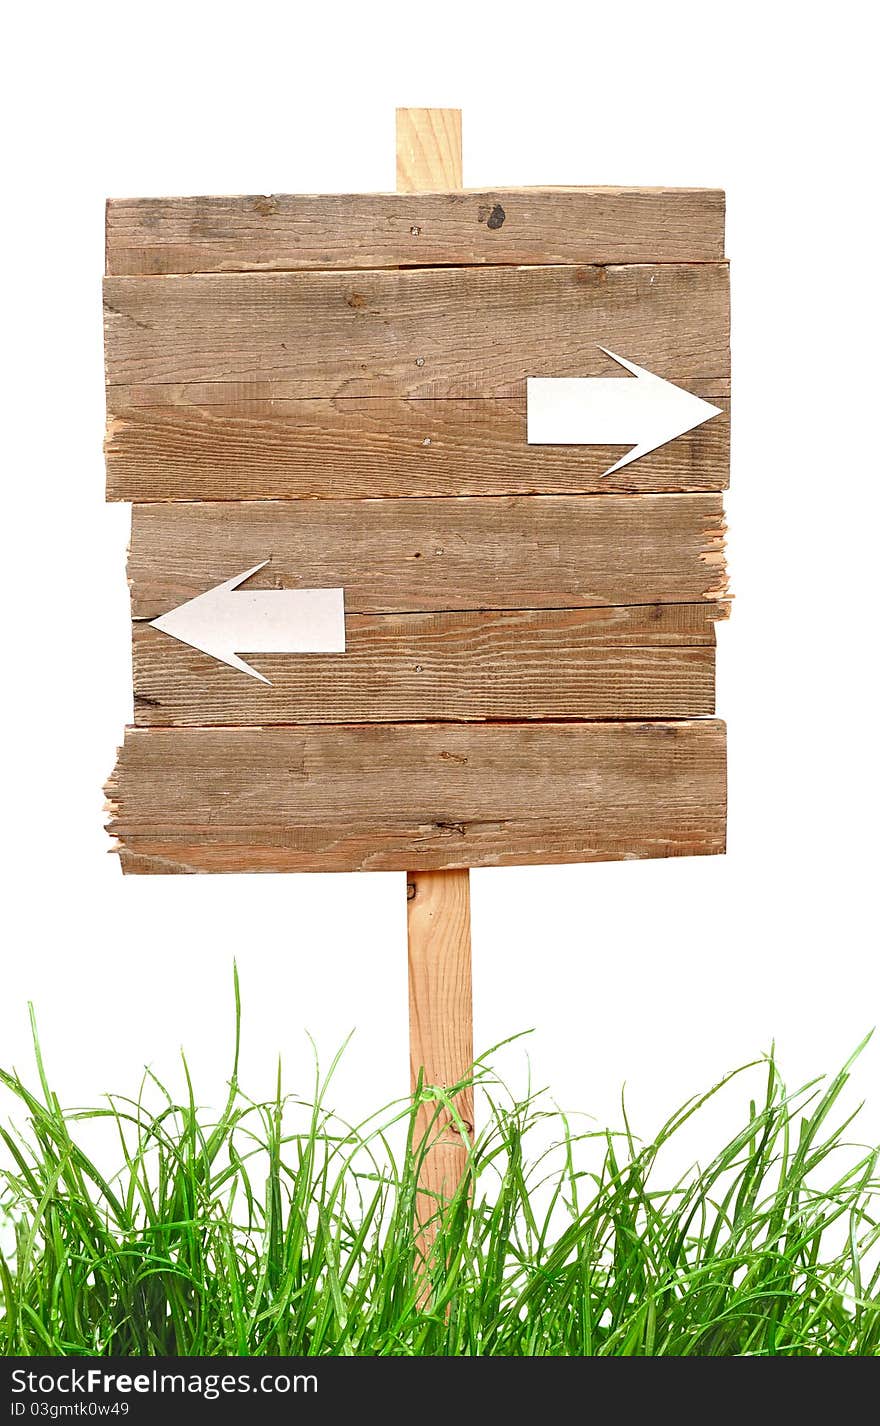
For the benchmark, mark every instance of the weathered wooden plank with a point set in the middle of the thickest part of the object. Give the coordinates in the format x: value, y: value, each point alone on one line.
x: 281, y: 232
x: 424, y: 667
x: 408, y: 556
x: 425, y: 333
x: 181, y: 443
x: 412, y: 797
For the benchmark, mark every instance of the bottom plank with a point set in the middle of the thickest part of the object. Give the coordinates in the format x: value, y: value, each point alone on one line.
x: 395, y: 797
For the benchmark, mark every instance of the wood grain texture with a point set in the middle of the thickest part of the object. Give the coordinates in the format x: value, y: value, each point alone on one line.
x: 406, y: 556
x: 286, y: 232
x: 213, y: 443
x: 523, y: 664
x: 440, y: 1025
x: 429, y: 152
x: 388, y: 797
x: 423, y: 333
x: 439, y: 925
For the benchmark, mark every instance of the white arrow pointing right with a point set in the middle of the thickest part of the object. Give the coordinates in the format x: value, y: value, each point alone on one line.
x: 610, y: 411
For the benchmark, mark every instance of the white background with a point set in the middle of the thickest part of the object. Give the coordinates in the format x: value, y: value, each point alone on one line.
x: 663, y: 974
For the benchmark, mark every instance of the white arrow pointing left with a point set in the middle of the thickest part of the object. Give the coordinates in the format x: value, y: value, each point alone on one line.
x: 223, y: 623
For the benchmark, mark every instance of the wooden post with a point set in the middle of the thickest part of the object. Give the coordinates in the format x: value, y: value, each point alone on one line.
x: 440, y: 1011
x: 438, y: 902
x: 428, y: 150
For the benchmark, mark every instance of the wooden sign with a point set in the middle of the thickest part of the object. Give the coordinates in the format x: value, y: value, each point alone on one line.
x: 412, y: 399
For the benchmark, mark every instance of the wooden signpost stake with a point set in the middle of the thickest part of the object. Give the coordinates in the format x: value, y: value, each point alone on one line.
x: 429, y: 158
x: 427, y: 541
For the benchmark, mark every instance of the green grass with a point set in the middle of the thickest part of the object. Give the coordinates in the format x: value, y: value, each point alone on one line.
x: 273, y: 1228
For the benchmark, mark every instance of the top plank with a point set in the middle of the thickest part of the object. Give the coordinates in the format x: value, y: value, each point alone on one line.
x: 521, y: 226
